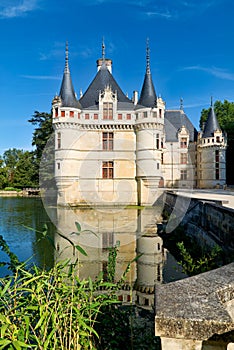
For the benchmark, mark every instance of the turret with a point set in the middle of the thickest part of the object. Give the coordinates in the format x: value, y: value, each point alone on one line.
x: 67, y: 98
x: 149, y: 137
x: 211, y: 157
x: 148, y: 97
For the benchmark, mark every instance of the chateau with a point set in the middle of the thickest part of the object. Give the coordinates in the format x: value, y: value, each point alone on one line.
x: 113, y: 150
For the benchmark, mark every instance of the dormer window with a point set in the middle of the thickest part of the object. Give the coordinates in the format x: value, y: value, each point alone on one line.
x: 107, y: 110
x: 183, y: 142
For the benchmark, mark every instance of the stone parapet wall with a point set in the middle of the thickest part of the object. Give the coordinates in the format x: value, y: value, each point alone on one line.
x: 195, y: 313
x: 203, y: 217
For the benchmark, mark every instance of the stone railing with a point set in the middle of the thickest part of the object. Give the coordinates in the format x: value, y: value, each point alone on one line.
x: 197, y: 313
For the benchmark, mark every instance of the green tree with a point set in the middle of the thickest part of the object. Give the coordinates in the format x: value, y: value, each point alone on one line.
x: 3, y: 174
x: 18, y: 169
x: 225, y: 115
x: 26, y: 171
x: 41, y: 135
x: 11, y: 158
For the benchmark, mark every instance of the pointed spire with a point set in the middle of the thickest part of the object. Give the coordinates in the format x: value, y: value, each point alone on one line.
x: 181, y: 104
x: 148, y: 97
x: 147, y: 57
x: 67, y: 93
x: 66, y: 70
x: 212, y: 123
x: 103, y: 50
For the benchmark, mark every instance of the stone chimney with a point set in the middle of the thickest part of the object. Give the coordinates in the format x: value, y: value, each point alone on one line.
x: 106, y: 61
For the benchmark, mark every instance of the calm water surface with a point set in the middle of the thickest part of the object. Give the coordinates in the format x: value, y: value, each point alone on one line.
x: 22, y: 221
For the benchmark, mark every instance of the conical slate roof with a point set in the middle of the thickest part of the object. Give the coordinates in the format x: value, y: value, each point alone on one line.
x: 148, y: 97
x: 102, y: 79
x: 67, y: 93
x: 211, y: 124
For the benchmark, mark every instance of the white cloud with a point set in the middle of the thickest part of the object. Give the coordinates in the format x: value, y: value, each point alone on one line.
x: 41, y: 77
x: 166, y: 14
x: 215, y: 71
x: 12, y: 9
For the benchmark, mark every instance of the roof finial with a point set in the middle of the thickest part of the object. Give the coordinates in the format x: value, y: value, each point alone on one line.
x: 66, y: 59
x: 211, y: 101
x: 147, y: 56
x: 103, y: 50
x: 181, y: 104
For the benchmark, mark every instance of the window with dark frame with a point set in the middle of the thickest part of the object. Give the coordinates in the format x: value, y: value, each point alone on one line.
x: 107, y: 110
x: 107, y: 141
x: 183, y: 142
x: 183, y: 158
x: 157, y: 141
x: 183, y: 175
x: 59, y: 139
x: 108, y: 170
x: 217, y: 175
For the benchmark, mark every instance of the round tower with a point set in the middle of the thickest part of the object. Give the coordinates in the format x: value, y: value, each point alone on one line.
x: 150, y: 138
x: 66, y: 111
x: 211, y: 154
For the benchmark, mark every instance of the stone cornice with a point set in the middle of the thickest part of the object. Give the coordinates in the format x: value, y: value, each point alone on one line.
x: 148, y: 125
x: 78, y: 126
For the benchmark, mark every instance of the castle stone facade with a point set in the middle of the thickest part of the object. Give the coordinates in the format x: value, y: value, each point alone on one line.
x: 113, y: 150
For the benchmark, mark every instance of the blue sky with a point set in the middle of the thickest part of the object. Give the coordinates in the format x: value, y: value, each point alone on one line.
x: 191, y: 53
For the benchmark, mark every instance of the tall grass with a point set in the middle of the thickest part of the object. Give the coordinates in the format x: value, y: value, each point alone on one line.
x: 53, y: 309
x: 50, y: 309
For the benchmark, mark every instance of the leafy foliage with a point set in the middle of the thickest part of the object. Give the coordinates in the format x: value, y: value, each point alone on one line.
x: 54, y: 309
x: 50, y: 309
x: 193, y: 266
x: 42, y: 132
x: 44, y: 156
x: 18, y: 169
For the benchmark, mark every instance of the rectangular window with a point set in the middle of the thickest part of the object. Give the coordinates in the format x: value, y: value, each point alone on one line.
x: 183, y: 142
x: 107, y: 240
x: 162, y: 141
x: 107, y: 141
x: 183, y: 175
x: 72, y: 114
x: 162, y: 158
x: 108, y: 170
x: 128, y: 116
x: 120, y: 116
x: 183, y: 158
x: 160, y: 113
x: 107, y: 110
x: 217, y: 165
x: 145, y: 114
x: 154, y: 114
x: 56, y: 112
x: 95, y: 116
x: 78, y: 115
x: 157, y: 141
x: 58, y: 165
x: 59, y: 139
x: 86, y: 115
x: 62, y: 113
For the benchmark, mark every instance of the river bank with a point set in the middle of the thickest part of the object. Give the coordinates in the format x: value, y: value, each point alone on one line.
x: 23, y: 193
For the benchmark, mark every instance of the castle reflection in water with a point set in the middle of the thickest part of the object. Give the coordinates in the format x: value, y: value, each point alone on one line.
x: 134, y: 231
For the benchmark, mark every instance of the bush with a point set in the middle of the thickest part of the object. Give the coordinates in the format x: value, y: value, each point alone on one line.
x: 12, y: 189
